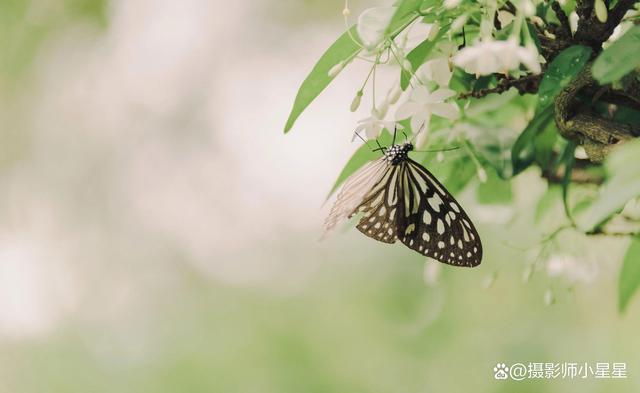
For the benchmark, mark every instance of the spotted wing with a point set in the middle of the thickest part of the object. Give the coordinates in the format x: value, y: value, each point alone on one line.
x: 379, y: 207
x: 432, y: 222
x: 353, y: 192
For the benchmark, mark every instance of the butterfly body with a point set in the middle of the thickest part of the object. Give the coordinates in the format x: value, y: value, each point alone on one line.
x: 396, y: 154
x: 399, y: 199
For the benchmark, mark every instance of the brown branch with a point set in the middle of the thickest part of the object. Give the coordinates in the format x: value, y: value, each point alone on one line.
x: 590, y: 30
x: 524, y: 85
x: 562, y: 17
x: 578, y: 176
x: 577, y: 122
x: 613, y: 96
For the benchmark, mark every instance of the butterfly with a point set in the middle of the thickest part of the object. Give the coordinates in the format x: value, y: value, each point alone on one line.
x: 400, y: 199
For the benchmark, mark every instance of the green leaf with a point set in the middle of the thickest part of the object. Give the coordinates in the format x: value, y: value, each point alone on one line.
x: 629, y: 274
x: 568, y: 159
x: 543, y: 143
x: 620, y: 58
x: 419, y: 54
x: 343, y: 50
x: 561, y: 71
x: 622, y: 185
x: 523, y: 150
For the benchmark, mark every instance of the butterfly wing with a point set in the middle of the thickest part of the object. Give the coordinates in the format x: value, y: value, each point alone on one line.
x: 353, y: 192
x: 379, y: 207
x: 431, y: 222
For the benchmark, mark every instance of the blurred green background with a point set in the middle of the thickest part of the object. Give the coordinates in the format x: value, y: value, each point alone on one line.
x: 158, y: 233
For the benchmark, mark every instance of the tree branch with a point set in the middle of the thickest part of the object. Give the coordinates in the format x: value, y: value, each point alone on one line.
x: 577, y: 122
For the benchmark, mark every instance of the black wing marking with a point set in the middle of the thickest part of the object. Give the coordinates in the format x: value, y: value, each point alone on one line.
x: 431, y: 222
x: 379, y: 207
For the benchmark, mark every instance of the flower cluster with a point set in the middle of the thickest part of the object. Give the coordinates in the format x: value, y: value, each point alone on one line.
x: 426, y: 91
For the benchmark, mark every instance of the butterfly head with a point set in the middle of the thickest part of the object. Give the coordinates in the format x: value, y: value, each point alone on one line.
x: 395, y: 154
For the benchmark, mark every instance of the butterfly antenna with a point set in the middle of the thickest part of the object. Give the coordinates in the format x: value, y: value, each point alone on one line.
x: 380, y: 148
x: 438, y: 150
x: 364, y: 140
x: 416, y: 134
x: 395, y: 128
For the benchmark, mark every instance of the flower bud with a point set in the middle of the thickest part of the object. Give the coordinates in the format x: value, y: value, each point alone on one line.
x: 335, y: 70
x: 450, y: 4
x: 355, y: 104
x: 346, y: 12
x: 431, y: 272
x: 433, y: 31
x: 482, y: 175
x: 601, y: 10
x: 536, y: 20
x: 549, y: 298
x: 459, y: 22
x: 526, y: 274
x: 488, y: 280
x: 527, y: 7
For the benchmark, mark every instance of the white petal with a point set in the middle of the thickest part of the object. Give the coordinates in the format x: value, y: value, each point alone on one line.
x: 449, y: 111
x: 505, y: 18
x: 441, y: 95
x: 420, y: 94
x: 420, y: 121
x: 529, y: 57
x: 361, y: 127
x: 372, y: 24
x: 436, y: 70
x: 487, y: 65
x: 374, y: 131
x: 422, y: 135
x: 406, y: 110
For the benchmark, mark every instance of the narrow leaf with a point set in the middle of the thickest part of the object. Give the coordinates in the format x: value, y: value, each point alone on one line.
x: 629, y: 274
x: 620, y: 58
x: 342, y: 50
x: 568, y: 159
x: 523, y: 150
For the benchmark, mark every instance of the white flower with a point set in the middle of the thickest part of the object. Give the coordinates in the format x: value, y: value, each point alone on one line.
x: 373, y: 125
x: 372, y: 24
x: 572, y: 269
x: 436, y: 70
x: 488, y: 56
x: 422, y: 104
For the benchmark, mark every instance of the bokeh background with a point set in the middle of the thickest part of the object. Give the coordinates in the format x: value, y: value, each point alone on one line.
x: 159, y: 233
